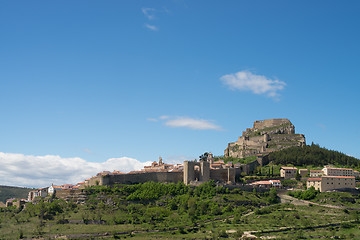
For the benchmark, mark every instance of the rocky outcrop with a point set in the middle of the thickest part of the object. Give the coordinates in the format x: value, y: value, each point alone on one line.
x: 264, y: 137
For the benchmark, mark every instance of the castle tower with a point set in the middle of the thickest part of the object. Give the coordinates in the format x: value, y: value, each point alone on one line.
x: 189, y: 172
x: 210, y: 158
x: 160, y: 161
x: 204, y: 171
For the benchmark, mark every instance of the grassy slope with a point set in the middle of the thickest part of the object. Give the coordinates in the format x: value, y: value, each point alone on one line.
x: 189, y: 219
x: 7, y: 192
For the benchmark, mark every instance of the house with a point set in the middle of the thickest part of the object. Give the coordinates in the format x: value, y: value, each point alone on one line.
x: 288, y: 172
x: 316, y: 173
x: 32, y: 195
x: 356, y: 174
x: 158, y: 167
x: 303, y: 172
x: 327, y: 183
x: 262, y: 184
x: 15, y: 202
x: 314, y: 182
x: 41, y: 192
x: 275, y: 183
x: 267, y: 184
x: 52, y: 189
x: 331, y: 171
x: 217, y: 164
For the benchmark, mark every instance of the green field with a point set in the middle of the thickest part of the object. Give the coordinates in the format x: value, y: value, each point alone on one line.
x: 175, y: 211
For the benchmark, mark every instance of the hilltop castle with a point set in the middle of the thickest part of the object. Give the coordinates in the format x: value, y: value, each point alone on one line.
x: 265, y: 136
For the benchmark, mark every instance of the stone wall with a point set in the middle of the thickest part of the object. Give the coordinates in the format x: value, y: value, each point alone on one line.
x: 223, y: 175
x: 270, y: 123
x: 78, y: 196
x: 165, y: 177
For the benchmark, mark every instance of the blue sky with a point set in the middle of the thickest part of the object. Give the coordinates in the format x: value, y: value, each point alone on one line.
x: 101, y: 80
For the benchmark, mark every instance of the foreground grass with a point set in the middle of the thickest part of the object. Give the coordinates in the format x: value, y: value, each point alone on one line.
x: 206, y: 212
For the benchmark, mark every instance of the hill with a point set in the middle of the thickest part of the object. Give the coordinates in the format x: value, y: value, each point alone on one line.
x: 312, y: 155
x: 265, y: 136
x: 7, y: 192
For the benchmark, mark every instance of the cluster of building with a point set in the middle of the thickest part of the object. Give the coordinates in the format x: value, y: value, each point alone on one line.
x: 327, y: 179
x: 267, y: 184
x: 43, y: 192
x: 333, y: 179
x: 192, y: 172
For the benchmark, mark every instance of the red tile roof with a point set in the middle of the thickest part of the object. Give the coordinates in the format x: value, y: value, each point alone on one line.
x: 261, y: 183
x: 338, y: 168
x: 275, y: 181
x: 338, y: 176
x: 314, y: 179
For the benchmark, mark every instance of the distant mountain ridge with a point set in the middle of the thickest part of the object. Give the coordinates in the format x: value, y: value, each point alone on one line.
x: 312, y: 155
x: 7, y: 192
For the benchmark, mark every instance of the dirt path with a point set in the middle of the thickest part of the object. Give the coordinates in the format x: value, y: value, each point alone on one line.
x: 288, y: 199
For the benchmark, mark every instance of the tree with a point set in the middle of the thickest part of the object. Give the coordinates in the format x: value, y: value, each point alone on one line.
x: 297, y: 176
x: 204, y: 156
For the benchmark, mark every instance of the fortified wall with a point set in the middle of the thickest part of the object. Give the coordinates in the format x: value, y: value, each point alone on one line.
x: 193, y: 173
x: 198, y: 172
x: 265, y: 136
x: 166, y: 177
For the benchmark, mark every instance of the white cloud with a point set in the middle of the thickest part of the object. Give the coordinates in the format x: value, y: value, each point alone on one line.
x: 186, y: 122
x: 38, y: 171
x: 149, y: 13
x: 151, y: 27
x: 258, y: 84
x: 197, y: 124
x: 152, y: 119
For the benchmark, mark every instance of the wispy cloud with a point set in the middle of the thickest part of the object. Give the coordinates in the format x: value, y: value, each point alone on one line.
x: 197, y: 124
x: 152, y: 15
x: 186, y: 122
x: 38, y: 171
x: 322, y: 126
x: 149, y: 13
x: 151, y: 27
x: 152, y: 119
x: 88, y: 151
x: 258, y: 84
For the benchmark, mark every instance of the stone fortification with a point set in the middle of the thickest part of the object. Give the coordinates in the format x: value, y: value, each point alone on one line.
x: 192, y: 173
x: 264, y: 137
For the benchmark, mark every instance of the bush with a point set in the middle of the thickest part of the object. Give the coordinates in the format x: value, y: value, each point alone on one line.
x: 309, y: 194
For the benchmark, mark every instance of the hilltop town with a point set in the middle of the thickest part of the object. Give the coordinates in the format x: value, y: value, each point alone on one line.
x: 247, y: 174
x: 256, y: 143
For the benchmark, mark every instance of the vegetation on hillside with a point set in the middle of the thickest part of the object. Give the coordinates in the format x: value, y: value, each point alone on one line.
x: 312, y: 155
x: 145, y: 207
x: 234, y: 160
x: 175, y: 211
x: 305, y: 195
x: 7, y: 192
